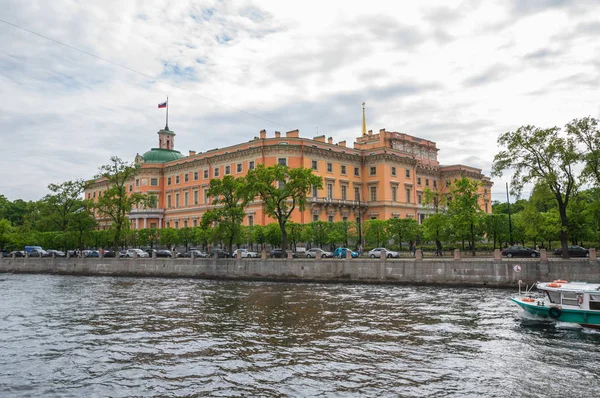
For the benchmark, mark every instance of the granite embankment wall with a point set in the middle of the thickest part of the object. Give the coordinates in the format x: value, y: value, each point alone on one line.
x: 471, y: 272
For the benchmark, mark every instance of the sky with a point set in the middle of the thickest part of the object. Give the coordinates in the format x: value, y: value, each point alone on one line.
x: 80, y: 81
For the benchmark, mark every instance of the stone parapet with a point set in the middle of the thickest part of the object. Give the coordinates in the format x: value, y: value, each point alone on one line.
x: 471, y: 272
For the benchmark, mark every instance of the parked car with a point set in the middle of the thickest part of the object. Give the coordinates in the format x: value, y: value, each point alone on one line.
x: 574, y: 251
x: 140, y: 253
x: 219, y: 253
x: 245, y: 253
x: 197, y: 254
x: 278, y: 253
x: 37, y: 253
x: 165, y: 254
x: 312, y: 253
x: 17, y: 253
x: 91, y: 253
x: 340, y: 252
x: 379, y: 250
x: 109, y: 254
x: 57, y: 253
x: 520, y: 251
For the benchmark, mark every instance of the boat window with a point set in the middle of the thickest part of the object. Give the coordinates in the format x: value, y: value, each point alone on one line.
x: 554, y: 297
x: 569, y: 298
x: 595, y: 302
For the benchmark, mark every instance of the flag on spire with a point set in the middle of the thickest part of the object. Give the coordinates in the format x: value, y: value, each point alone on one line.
x: 163, y: 105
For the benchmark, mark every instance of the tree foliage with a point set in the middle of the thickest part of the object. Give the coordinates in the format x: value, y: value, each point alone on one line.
x: 541, y: 156
x: 230, y: 197
x: 116, y: 203
x: 282, y: 189
x: 586, y: 131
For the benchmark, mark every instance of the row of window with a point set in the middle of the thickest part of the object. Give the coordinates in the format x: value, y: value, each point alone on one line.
x: 216, y: 173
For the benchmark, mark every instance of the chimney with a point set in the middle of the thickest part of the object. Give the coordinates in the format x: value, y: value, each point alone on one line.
x: 320, y: 138
x: 293, y: 134
x: 263, y: 134
x: 330, y: 140
x: 382, y: 130
x: 342, y: 143
x: 370, y: 132
x: 192, y: 153
x: 277, y: 134
x: 255, y: 138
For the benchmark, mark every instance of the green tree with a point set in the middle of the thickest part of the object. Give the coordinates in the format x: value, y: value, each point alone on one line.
x: 294, y: 231
x: 273, y: 234
x: 259, y: 235
x: 402, y: 229
x: 148, y: 237
x: 464, y: 210
x: 64, y: 209
x: 115, y: 202
x: 317, y: 233
x: 541, y: 156
x: 496, y: 227
x: 435, y: 228
x: 283, y: 189
x: 186, y: 236
x: 375, y: 234
x: 231, y: 196
x: 169, y: 237
x: 586, y: 131
x: 6, y: 232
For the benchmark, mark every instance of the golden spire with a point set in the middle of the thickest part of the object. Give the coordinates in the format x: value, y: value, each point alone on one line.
x: 364, y: 126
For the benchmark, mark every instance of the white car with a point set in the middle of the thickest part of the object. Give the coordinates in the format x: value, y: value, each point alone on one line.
x: 312, y: 253
x: 388, y: 253
x: 245, y: 253
x: 139, y: 252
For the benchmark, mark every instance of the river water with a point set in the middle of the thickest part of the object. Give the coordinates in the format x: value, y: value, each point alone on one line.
x: 68, y: 336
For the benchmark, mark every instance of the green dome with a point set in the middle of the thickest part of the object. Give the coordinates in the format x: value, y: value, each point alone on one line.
x: 158, y: 155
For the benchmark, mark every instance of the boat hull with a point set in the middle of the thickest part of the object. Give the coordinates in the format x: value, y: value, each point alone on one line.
x: 582, y: 317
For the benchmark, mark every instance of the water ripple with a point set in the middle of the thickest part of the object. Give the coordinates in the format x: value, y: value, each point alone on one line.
x: 122, y: 337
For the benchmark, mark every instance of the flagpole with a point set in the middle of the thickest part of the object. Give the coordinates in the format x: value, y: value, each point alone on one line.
x: 167, y: 124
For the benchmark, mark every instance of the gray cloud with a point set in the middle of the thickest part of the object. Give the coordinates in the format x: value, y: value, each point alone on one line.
x: 492, y: 74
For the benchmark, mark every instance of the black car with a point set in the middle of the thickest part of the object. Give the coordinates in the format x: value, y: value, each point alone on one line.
x: 278, y: 253
x: 219, y: 253
x: 520, y: 251
x: 574, y: 251
x: 109, y: 254
x: 164, y: 254
x: 159, y: 253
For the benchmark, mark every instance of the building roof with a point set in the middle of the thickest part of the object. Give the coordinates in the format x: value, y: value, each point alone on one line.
x: 159, y: 155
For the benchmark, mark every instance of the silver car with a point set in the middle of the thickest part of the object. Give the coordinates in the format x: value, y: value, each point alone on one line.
x: 379, y: 250
x: 312, y: 253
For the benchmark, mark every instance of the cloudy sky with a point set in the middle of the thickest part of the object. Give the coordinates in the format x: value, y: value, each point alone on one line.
x: 456, y: 72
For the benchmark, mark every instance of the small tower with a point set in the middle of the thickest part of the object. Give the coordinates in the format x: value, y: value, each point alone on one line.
x: 364, y: 125
x: 166, y: 139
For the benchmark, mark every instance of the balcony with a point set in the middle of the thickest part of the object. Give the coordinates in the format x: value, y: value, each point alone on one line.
x: 338, y: 202
x: 153, y: 212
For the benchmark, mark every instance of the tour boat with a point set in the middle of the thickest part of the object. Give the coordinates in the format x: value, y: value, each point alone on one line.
x: 576, y: 302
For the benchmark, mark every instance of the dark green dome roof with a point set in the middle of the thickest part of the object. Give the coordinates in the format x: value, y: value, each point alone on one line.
x: 158, y: 155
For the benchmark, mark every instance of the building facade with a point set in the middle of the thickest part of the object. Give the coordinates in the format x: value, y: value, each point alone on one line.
x: 382, y: 176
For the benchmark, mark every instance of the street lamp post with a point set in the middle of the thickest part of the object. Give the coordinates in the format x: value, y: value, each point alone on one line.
x: 509, y: 223
x: 358, y: 221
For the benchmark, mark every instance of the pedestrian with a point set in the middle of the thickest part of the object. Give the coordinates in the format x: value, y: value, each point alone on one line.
x: 414, y: 250
x: 360, y: 251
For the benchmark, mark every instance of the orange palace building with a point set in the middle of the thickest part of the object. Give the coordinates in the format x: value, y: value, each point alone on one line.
x: 381, y: 177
